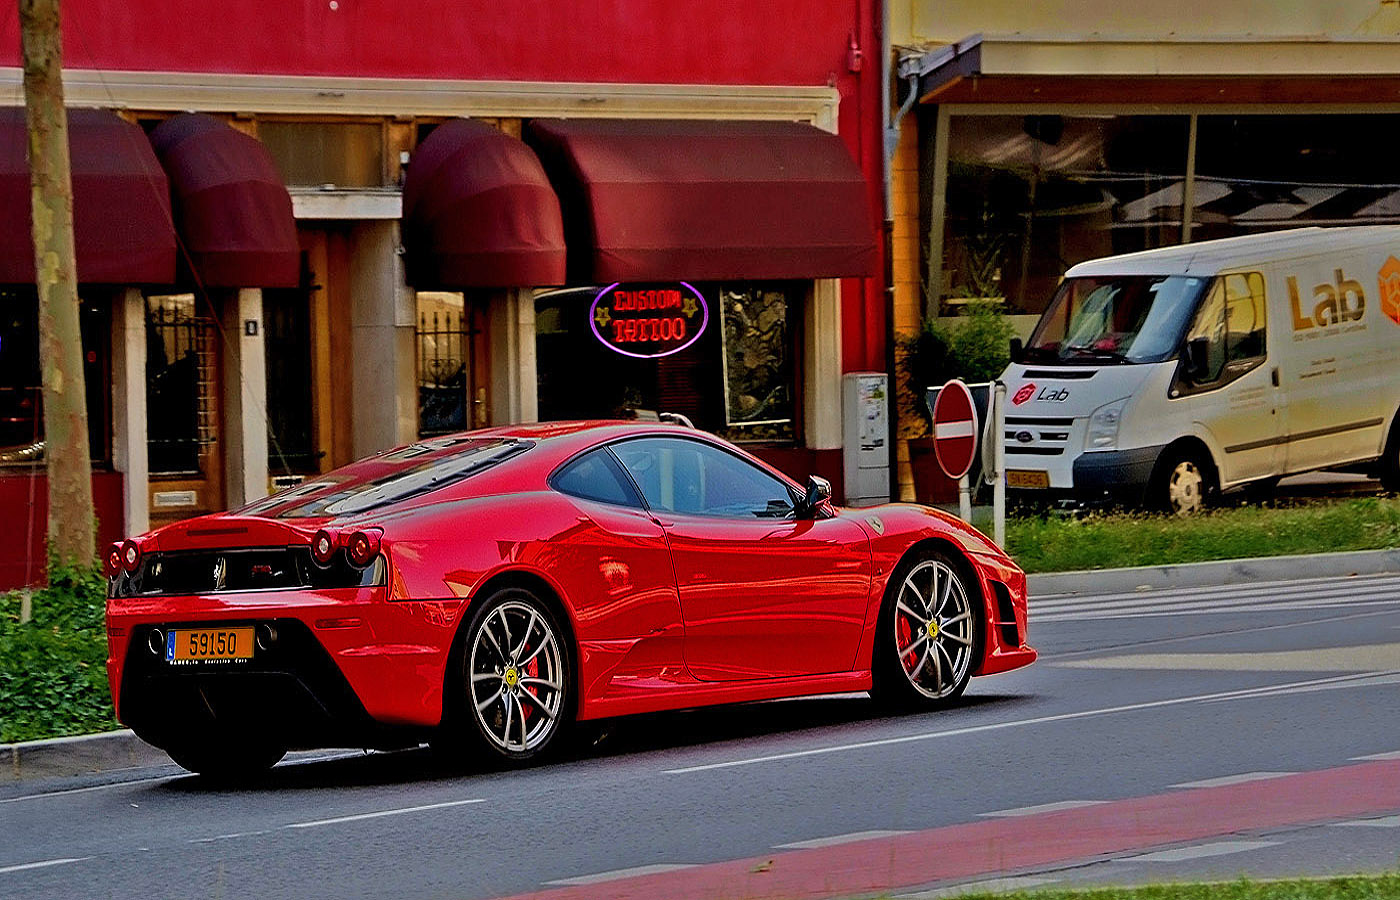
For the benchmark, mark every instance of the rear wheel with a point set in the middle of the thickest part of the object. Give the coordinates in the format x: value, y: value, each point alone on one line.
x: 929, y: 634
x: 1390, y: 464
x: 226, y: 760
x: 514, y: 696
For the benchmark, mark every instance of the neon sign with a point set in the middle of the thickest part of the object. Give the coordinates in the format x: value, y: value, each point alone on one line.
x: 648, y: 321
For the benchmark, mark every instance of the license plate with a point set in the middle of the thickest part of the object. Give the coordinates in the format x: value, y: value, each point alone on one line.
x: 1027, y: 478
x: 192, y: 645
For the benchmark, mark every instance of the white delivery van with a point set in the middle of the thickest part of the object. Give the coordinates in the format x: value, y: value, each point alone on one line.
x: 1165, y: 376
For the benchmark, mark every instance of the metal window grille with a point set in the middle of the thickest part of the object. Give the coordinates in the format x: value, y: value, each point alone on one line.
x: 444, y: 370
x: 181, y: 372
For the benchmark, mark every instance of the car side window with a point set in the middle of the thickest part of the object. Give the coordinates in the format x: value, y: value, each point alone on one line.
x: 596, y: 476
x: 1233, y: 320
x: 694, y: 478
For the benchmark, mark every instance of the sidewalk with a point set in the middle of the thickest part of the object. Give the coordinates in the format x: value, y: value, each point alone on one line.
x: 110, y: 752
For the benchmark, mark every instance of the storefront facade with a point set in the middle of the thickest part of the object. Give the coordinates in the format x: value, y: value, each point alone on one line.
x: 420, y: 287
x: 1033, y: 142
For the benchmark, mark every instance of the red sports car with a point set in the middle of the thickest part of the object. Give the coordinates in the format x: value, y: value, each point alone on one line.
x: 489, y: 589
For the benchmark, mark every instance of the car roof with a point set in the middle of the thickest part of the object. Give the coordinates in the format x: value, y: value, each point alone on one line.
x: 1225, y: 254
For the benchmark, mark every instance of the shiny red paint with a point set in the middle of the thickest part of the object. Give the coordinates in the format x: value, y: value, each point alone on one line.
x: 664, y: 611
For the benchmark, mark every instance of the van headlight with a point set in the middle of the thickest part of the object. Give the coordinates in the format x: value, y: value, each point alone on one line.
x: 1103, y: 426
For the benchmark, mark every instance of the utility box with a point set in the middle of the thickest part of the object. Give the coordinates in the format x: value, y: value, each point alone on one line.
x: 866, y: 429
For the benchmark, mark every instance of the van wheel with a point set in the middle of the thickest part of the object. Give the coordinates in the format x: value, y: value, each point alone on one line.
x: 1185, y: 483
x: 1390, y: 466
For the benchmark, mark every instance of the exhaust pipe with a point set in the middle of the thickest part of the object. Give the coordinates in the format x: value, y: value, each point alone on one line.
x: 155, y: 640
x: 267, y: 636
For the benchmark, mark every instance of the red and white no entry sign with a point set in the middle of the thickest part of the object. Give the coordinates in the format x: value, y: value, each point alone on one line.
x: 954, y: 429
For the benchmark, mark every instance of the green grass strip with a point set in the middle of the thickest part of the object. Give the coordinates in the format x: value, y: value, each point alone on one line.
x: 1359, y: 887
x: 1067, y: 542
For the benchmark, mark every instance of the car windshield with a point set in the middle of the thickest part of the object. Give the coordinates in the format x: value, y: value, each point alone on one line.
x: 388, y: 478
x: 1121, y: 319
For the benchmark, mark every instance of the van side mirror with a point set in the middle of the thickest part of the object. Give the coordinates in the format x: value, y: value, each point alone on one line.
x: 1196, y: 358
x: 1018, y: 350
x: 818, y: 492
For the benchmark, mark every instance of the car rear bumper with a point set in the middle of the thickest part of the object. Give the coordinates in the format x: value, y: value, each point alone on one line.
x: 345, y: 666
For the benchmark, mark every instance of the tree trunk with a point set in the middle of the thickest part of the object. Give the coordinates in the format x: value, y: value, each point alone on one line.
x: 71, y: 526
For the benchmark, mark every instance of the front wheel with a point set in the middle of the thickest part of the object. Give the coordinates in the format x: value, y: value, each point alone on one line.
x: 1184, y: 484
x: 515, y: 694
x: 928, y: 636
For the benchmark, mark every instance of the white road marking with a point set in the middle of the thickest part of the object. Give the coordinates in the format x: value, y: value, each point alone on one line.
x: 838, y: 839
x: 1227, y: 780
x: 43, y: 865
x: 1266, y: 597
x: 84, y: 790
x: 1385, y: 822
x: 1041, y: 808
x: 617, y: 874
x: 998, y: 726
x: 227, y: 837
x: 1201, y: 851
x: 384, y: 812
x: 990, y: 886
x: 1393, y: 754
x: 1264, y: 588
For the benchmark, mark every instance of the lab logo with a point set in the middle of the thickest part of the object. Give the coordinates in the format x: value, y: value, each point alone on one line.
x: 1390, y: 289
x: 1026, y: 392
x: 1333, y: 304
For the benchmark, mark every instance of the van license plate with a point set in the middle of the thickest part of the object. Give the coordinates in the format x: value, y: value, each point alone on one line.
x: 1027, y: 478
x: 192, y: 645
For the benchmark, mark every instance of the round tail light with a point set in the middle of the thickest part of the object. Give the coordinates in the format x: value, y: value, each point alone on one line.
x: 114, y: 560
x: 131, y: 556
x: 363, y: 547
x: 323, y: 547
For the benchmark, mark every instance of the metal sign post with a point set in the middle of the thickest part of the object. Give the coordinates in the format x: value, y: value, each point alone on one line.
x: 994, y: 458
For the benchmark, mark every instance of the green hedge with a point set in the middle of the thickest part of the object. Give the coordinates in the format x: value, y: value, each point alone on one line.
x: 53, y: 674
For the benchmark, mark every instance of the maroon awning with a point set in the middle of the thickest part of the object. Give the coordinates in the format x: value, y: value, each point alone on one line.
x: 121, y: 202
x: 478, y: 211
x: 232, y: 211
x: 664, y: 200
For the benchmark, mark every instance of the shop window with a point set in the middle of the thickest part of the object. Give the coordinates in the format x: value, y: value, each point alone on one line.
x: 21, y: 394
x: 1263, y: 173
x: 317, y: 154
x: 181, y: 384
x: 291, y: 445
x: 448, y: 400
x: 739, y: 379
x: 1029, y: 196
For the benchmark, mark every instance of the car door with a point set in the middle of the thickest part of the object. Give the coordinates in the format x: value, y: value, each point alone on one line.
x: 763, y: 594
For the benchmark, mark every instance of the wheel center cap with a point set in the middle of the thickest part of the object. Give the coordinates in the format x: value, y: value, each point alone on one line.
x: 511, y: 677
x: 932, y: 629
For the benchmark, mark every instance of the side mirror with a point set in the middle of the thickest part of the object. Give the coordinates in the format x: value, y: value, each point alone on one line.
x: 1018, y: 350
x: 1196, y: 358
x: 818, y: 492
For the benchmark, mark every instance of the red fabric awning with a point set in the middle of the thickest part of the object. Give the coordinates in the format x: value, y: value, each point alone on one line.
x: 665, y: 200
x: 478, y: 211
x: 233, y: 212
x: 121, y: 202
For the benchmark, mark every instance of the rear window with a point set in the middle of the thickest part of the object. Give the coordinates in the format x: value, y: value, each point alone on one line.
x: 389, y: 478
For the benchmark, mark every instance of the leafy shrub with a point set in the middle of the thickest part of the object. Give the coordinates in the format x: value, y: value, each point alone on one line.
x: 975, y: 349
x: 53, y: 674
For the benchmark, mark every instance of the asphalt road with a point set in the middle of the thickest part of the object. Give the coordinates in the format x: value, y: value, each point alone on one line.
x: 1162, y: 736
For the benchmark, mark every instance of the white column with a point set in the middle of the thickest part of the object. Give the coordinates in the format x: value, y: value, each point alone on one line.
x: 383, y: 405
x: 129, y: 409
x: 514, y: 380
x: 822, y: 358
x: 245, y: 398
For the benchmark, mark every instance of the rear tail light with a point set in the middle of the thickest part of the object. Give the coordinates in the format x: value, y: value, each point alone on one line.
x: 131, y: 556
x: 114, y: 560
x: 323, y: 547
x: 363, y: 547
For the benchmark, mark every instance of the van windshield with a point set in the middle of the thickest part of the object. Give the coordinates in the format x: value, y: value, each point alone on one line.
x: 1115, y: 319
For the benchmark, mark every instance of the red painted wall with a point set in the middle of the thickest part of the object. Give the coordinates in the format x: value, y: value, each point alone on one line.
x: 22, y: 555
x: 761, y: 42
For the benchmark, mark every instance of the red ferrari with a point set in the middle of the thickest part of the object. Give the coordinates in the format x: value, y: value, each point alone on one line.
x: 487, y: 590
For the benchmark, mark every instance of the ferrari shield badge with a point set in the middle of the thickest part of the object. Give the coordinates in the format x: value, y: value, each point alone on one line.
x: 876, y: 523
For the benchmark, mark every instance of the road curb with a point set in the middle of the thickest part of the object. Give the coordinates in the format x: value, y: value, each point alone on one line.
x: 83, y: 755
x: 1222, y: 572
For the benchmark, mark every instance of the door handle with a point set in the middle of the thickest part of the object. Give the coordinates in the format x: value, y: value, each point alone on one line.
x: 1273, y: 376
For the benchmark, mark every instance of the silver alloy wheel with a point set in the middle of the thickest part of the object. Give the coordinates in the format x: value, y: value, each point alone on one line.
x: 933, y: 629
x: 1186, y: 488
x: 517, y: 677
